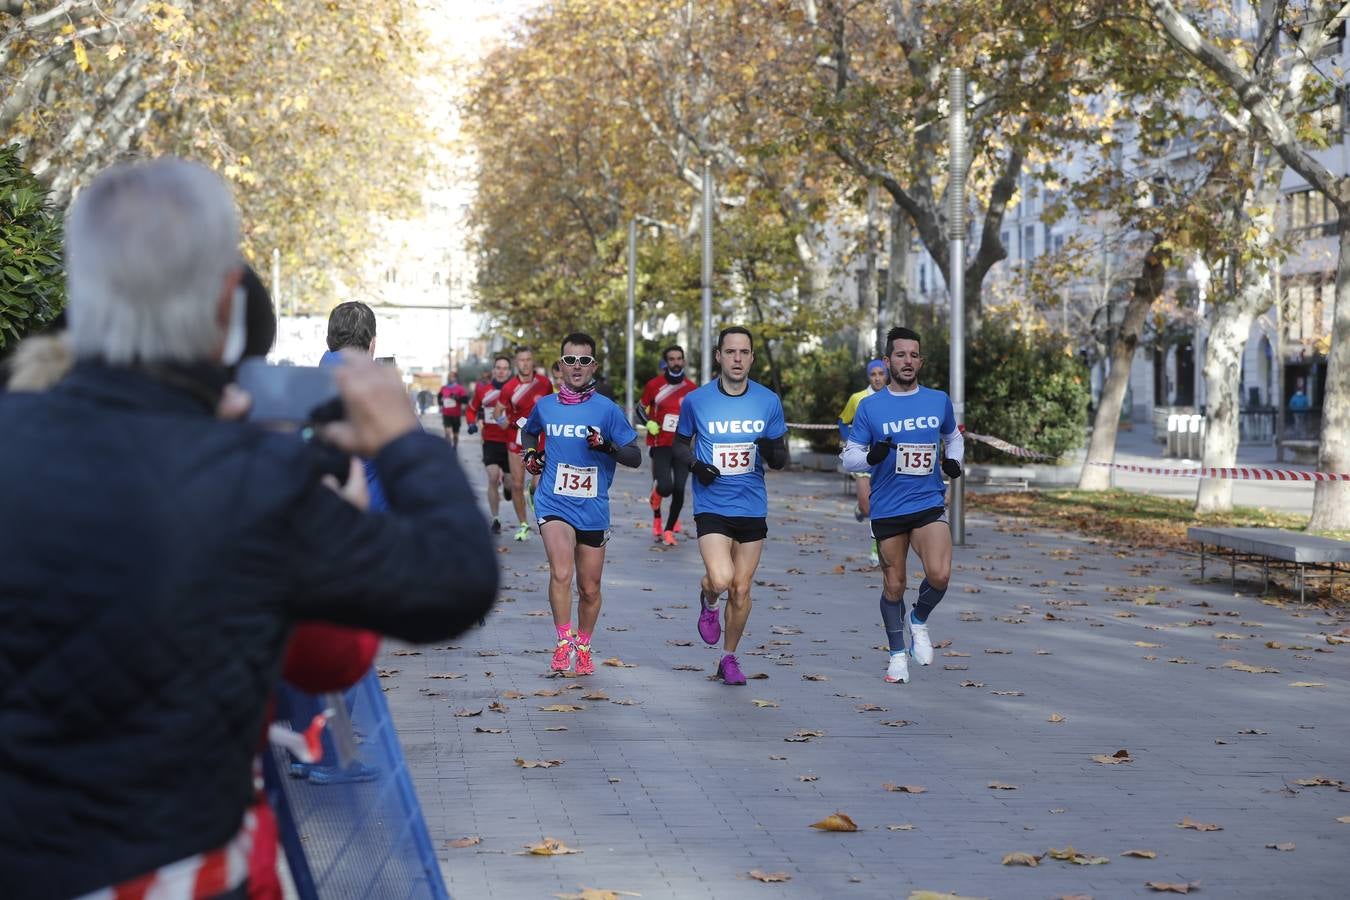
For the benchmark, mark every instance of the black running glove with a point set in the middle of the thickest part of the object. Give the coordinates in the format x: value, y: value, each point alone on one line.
x: 952, y: 468
x: 878, y: 452
x: 706, y: 473
x: 598, y: 442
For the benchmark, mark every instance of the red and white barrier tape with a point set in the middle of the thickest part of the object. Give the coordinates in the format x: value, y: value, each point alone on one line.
x: 808, y: 427
x: 1000, y: 444
x: 1240, y: 473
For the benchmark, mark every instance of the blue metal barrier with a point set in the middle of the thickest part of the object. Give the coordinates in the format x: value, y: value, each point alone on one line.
x: 353, y: 830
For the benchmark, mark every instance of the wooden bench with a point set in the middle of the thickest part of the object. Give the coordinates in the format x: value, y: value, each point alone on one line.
x: 1274, y: 547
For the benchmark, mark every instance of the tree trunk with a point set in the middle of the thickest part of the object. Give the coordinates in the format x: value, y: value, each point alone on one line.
x: 1331, y: 499
x: 897, y: 273
x: 1102, y: 449
x: 867, y: 281
x: 1228, y: 334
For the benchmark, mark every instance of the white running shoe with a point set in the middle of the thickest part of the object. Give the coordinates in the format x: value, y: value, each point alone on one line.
x: 898, y: 670
x: 919, y: 642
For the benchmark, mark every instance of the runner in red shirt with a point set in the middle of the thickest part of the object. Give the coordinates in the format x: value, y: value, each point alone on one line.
x: 486, y: 406
x: 518, y: 398
x: 453, y: 400
x: 660, y: 407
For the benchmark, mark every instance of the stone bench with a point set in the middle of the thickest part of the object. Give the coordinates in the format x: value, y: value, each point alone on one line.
x: 1019, y: 477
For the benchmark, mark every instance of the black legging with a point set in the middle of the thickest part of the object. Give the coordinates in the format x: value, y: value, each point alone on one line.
x: 670, y: 477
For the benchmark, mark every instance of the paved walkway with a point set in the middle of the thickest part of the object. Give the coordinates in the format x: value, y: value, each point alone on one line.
x: 687, y: 788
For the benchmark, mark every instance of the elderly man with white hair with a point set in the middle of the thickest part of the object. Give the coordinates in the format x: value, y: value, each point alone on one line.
x: 155, y: 552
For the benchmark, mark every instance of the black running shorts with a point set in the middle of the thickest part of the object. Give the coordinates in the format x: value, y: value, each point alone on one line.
x: 741, y: 529
x: 897, y: 525
x: 494, y: 454
x: 587, y: 538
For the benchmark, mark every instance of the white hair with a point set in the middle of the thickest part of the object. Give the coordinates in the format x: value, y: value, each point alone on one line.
x: 149, y: 247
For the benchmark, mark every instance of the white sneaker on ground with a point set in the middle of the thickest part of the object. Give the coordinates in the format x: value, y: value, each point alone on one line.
x: 898, y: 670
x: 919, y: 642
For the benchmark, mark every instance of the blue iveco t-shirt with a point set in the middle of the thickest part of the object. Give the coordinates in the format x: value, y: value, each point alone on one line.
x: 909, y: 479
x: 576, y: 479
x: 724, y: 429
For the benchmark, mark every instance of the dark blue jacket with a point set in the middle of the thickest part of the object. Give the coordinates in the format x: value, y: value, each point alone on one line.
x: 152, y: 561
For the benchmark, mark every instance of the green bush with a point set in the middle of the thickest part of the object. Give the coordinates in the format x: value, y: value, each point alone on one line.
x: 32, y: 283
x: 1026, y: 388
x: 816, y: 385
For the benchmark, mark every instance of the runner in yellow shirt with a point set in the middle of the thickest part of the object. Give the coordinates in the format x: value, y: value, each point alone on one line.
x: 876, y: 380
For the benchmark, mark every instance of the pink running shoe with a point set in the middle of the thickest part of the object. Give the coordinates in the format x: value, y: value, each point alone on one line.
x: 709, y: 623
x: 729, y: 671
x: 562, y: 657
x: 584, y: 664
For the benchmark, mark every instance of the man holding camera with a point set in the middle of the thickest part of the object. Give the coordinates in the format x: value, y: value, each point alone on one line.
x: 155, y: 552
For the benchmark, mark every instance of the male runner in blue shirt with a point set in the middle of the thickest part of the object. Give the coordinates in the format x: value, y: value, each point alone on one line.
x: 586, y: 436
x: 728, y: 429
x: 895, y: 435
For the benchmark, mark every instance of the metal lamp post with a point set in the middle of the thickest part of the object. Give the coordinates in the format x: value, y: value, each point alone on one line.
x: 706, y: 343
x: 956, y: 232
x: 632, y: 291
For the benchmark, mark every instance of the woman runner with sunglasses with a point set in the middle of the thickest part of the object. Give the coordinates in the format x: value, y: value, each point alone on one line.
x: 587, y: 436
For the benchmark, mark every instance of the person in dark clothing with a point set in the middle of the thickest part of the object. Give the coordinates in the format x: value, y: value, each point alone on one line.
x: 156, y: 552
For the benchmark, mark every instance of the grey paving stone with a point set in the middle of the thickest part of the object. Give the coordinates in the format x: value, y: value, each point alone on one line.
x: 699, y: 803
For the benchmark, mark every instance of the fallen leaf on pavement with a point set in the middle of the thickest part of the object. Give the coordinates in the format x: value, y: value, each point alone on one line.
x: 1319, y: 781
x: 1007, y: 693
x: 513, y: 695
x: 1285, y: 845
x: 1344, y: 820
x: 904, y: 788
x: 779, y: 758
x: 951, y: 653
x: 466, y: 713
x: 803, y: 734
x: 1170, y: 887
x: 765, y: 704
x: 1021, y: 859
x: 758, y: 676
x: 680, y: 643
x: 836, y: 822
x: 548, y: 847
x: 1307, y: 684
x: 595, y: 695
x: 974, y: 684
x: 997, y: 651
x: 815, y: 678
x: 808, y: 777
x: 943, y: 643
x: 596, y: 893
x: 548, y: 692
x: 897, y: 723
x: 1188, y: 822
x: 871, y: 707
x: 1077, y: 857
x: 538, y: 763
x: 1120, y: 756
x: 685, y: 667
x: 617, y: 663
x: 433, y: 675
x: 561, y: 707
x: 1255, y: 670
x: 769, y: 877
x: 955, y: 667
x: 1000, y: 786
x: 626, y: 701
x: 1146, y: 644
x: 1252, y: 731
x: 481, y: 730
x: 936, y: 895
x: 406, y: 653
x: 1056, y: 718
x: 905, y: 827
x: 1141, y: 854
x: 495, y: 706
x: 465, y: 842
